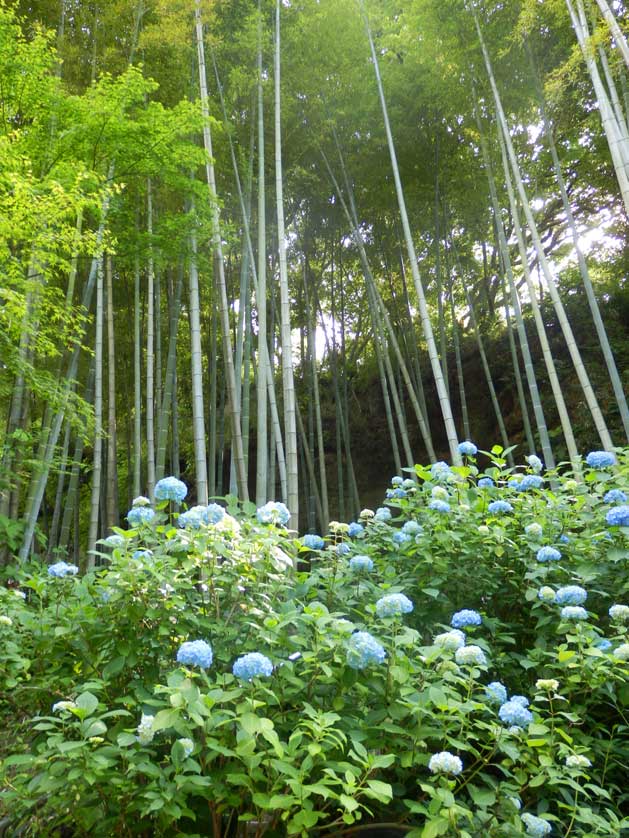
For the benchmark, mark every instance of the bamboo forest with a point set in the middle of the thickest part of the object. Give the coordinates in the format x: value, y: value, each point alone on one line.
x: 314, y: 434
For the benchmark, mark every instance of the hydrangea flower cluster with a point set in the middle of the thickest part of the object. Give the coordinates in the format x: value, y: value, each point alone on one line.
x: 600, y: 459
x: 536, y: 827
x: 409, y: 484
x: 252, y: 665
x: 470, y: 656
x: 548, y: 684
x: 114, y: 541
x: 530, y: 481
x: 534, y: 462
x: 603, y: 644
x: 313, y: 542
x: 170, y: 488
x: 138, y: 515
x: 145, y: 731
x: 140, y: 501
x: 571, y: 595
x: 534, y: 530
x: 400, y: 537
x: 195, y: 653
x: 397, y: 480
x: 393, y: 605
x: 355, y: 530
x: 439, y: 506
x: 441, y: 472
x: 63, y: 706
x: 395, y: 493
x: 622, y: 652
x: 451, y: 640
x: 468, y: 449
x: 193, y: 518
x: 485, y: 483
x: 496, y: 693
x: 412, y: 528
x: 577, y: 761
x: 619, y: 613
x: 382, y: 514
x: 445, y: 763
x: 499, y: 507
x: 514, y: 713
x: 187, y: 746
x: 361, y: 564
x: 142, y: 554
x: 466, y: 617
x: 614, y: 496
x: 618, y: 516
x: 363, y: 649
x: 342, y: 549
x: 273, y: 512
x: 61, y: 569
x: 548, y: 554
x: 214, y: 513
x: 573, y: 612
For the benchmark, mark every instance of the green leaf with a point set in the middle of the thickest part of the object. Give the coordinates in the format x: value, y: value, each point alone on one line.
x: 434, y: 828
x: 165, y: 719
x: 87, y: 702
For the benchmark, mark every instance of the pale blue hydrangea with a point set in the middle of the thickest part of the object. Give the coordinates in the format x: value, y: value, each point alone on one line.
x: 139, y: 555
x: 534, y: 462
x: 393, y: 605
x: 193, y: 518
x: 496, y: 693
x: 618, y: 516
x: 397, y: 480
x: 170, y: 488
x: 485, y: 483
x: 468, y: 449
x: 573, y: 612
x: 313, y: 542
x: 145, y: 732
x: 412, y: 528
x: 355, y: 530
x: 470, y: 656
x: 603, y: 644
x: 600, y: 459
x: 499, y: 507
x: 363, y: 649
x: 514, y: 482
x: 140, y: 515
x: 445, y: 763
x: 115, y: 541
x: 536, y: 827
x: 382, y: 514
x: 361, y: 564
x: 342, y: 549
x: 564, y: 539
x: 534, y: 530
x: 195, y: 653
x: 441, y: 506
x: 514, y: 713
x: 214, y: 513
x: 530, y: 481
x: 450, y: 640
x: 622, y: 652
x: 522, y: 700
x: 614, y: 496
x: 571, y: 595
x: 273, y: 512
x: 252, y: 665
x: 619, y: 613
x: 441, y: 472
x: 400, y: 537
x: 187, y: 746
x: 548, y: 554
x: 546, y: 594
x: 466, y: 617
x: 409, y: 484
x: 395, y: 494
x: 61, y: 569
x: 440, y: 493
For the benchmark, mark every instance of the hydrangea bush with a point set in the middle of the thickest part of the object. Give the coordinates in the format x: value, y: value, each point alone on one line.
x: 453, y: 681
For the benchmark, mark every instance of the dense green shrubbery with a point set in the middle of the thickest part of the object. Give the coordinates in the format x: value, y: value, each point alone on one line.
x: 377, y: 706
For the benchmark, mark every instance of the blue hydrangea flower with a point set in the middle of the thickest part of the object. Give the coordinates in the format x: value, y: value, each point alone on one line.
x: 614, y: 496
x: 514, y: 713
x: 496, y: 693
x: 522, y: 700
x: 382, y: 514
x: 363, y: 649
x: 142, y: 554
x: 412, y: 528
x: 193, y: 518
x: 61, y: 569
x: 397, y: 480
x: 140, y: 515
x: 530, y: 481
x: 534, y: 462
x: 214, y: 513
x: 252, y: 665
x: 355, y: 530
x: 445, y: 763
x: 342, y: 549
x: 195, y: 653
x: 439, y: 506
x: 499, y: 507
x: 485, y: 483
x: 273, y: 512
x: 536, y: 827
x: 361, y: 564
x: 400, y: 537
x: 514, y: 482
x: 466, y: 617
x: 619, y: 613
x: 441, y: 472
x: 313, y: 542
x: 398, y: 492
x: 468, y: 449
x: 470, y: 656
x: 451, y: 640
x: 170, y: 488
x: 564, y: 539
x: 393, y: 605
x: 618, y: 516
x: 600, y: 459
x: 571, y: 595
x: 115, y: 540
x: 603, y: 644
x: 547, y: 554
x: 409, y: 484
x: 573, y: 612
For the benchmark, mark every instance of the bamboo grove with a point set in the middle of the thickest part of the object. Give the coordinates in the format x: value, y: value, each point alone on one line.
x: 257, y: 243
